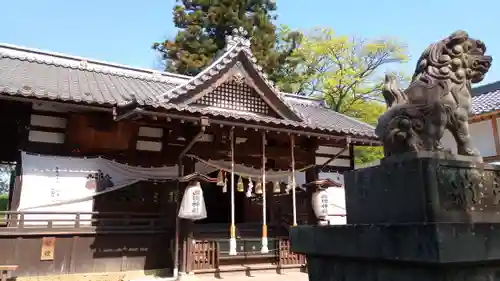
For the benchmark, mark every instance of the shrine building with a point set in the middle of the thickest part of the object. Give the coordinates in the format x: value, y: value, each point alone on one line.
x: 103, y: 154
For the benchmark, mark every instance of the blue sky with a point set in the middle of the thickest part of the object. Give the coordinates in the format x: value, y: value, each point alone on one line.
x: 123, y: 31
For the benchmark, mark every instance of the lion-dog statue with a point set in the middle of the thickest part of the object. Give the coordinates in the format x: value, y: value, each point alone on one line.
x: 438, y: 98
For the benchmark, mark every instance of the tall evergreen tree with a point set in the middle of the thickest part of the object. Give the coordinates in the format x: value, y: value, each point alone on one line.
x: 204, y: 25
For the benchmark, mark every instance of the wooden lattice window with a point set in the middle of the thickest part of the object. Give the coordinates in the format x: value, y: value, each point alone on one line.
x: 235, y: 96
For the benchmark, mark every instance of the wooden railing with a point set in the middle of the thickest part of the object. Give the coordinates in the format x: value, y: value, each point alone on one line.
x: 287, y: 257
x: 206, y: 255
x: 81, y: 222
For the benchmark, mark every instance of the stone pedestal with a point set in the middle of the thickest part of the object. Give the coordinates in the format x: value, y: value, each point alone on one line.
x: 414, y: 217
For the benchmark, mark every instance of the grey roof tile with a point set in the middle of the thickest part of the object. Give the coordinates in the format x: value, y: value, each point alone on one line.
x: 54, y: 76
x: 486, y: 98
x: 45, y: 76
x: 320, y: 116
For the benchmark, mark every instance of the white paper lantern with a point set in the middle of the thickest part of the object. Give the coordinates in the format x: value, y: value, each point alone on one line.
x: 193, y: 203
x: 320, y: 204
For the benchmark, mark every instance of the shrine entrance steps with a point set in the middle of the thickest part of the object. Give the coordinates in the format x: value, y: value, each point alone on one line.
x: 252, y: 272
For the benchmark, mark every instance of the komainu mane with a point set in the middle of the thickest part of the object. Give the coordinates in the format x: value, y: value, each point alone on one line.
x: 438, y: 98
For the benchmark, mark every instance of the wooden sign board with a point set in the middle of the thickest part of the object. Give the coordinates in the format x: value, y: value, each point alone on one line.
x: 48, y: 248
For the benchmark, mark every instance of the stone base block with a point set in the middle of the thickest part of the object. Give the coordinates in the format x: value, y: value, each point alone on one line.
x: 442, y: 251
x: 423, y: 187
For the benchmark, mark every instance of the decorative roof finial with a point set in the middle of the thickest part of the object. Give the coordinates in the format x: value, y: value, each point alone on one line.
x: 238, y: 37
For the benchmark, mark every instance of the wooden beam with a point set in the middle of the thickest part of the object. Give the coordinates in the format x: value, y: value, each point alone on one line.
x: 484, y: 116
x: 212, y: 149
x: 496, y: 137
x: 489, y: 159
x: 229, y: 123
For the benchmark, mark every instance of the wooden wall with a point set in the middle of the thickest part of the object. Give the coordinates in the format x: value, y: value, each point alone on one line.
x: 54, y: 129
x: 58, y: 130
x: 88, y: 253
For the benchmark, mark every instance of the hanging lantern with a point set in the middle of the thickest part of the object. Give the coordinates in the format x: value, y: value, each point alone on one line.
x: 224, y: 186
x: 193, y: 203
x: 276, y: 187
x: 258, y: 188
x: 239, y: 186
x: 250, y: 188
x: 220, y: 178
x: 320, y: 204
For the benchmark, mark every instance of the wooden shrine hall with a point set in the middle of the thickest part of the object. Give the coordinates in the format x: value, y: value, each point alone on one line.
x: 102, y: 152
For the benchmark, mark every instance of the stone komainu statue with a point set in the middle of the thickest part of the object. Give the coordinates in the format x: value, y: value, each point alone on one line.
x: 438, y: 98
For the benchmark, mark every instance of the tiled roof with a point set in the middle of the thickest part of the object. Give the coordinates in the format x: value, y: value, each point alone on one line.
x: 486, y: 98
x: 53, y: 76
x: 320, y: 116
x: 39, y: 74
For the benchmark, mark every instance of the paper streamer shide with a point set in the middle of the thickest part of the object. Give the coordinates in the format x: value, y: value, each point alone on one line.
x: 68, y: 184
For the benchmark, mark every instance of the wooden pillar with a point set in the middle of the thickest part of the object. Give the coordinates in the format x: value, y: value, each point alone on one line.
x: 264, y: 249
x: 23, y: 117
x: 294, y: 196
x: 312, y: 174
x: 232, y: 236
x: 352, y: 158
x: 496, y: 137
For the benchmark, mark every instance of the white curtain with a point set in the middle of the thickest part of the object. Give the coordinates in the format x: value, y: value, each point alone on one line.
x: 70, y: 183
x: 58, y: 183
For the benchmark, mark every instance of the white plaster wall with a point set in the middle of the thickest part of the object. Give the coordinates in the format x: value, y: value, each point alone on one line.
x: 481, y: 135
x: 50, y: 122
x: 151, y: 144
x: 449, y: 142
x: 331, y: 151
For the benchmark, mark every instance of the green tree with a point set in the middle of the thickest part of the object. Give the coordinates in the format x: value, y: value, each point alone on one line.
x: 346, y: 72
x: 5, y: 173
x: 204, y: 24
x: 4, y: 202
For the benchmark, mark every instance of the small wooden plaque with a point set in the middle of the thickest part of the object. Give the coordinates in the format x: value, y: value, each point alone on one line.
x: 48, y: 248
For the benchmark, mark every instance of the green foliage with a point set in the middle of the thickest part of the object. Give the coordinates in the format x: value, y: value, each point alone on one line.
x: 368, y: 112
x: 204, y: 24
x: 4, y: 201
x: 341, y: 69
x: 5, y: 173
x: 346, y: 73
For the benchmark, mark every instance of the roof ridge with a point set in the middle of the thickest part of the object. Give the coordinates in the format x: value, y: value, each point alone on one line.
x: 220, y: 64
x: 140, y: 71
x: 194, y: 79
x: 304, y: 97
x: 349, y: 117
x: 490, y: 87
